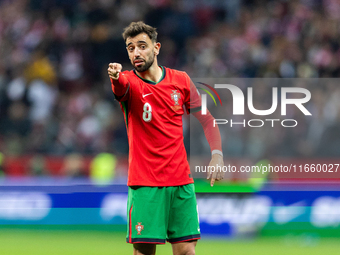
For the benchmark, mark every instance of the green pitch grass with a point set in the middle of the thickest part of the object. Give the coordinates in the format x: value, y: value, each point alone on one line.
x: 45, y: 242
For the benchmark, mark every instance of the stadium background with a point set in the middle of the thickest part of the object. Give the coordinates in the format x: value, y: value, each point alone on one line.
x: 61, y: 133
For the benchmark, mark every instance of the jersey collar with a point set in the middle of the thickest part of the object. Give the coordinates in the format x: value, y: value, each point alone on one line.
x: 152, y: 82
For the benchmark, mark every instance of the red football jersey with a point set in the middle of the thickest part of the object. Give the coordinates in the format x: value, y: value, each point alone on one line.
x: 153, y: 115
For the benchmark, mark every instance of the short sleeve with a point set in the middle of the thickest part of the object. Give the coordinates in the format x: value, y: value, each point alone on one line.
x: 193, y: 99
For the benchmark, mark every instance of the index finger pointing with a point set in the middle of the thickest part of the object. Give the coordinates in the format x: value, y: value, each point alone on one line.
x: 213, y: 178
x: 212, y: 181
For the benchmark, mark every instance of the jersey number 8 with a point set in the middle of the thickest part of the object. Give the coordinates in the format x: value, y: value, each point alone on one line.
x: 147, y: 112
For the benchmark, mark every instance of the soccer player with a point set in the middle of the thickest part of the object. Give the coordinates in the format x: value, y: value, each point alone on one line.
x: 161, y: 201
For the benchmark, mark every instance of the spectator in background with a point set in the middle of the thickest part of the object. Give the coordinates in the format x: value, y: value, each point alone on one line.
x: 73, y: 166
x: 37, y: 166
x: 2, y: 173
x: 103, y: 168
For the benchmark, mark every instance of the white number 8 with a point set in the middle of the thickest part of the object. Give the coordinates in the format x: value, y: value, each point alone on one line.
x: 147, y: 112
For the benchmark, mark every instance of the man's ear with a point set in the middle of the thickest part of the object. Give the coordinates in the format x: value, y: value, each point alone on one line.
x: 157, y: 48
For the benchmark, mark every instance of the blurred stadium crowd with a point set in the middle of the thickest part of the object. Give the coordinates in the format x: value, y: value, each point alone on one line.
x: 55, y: 96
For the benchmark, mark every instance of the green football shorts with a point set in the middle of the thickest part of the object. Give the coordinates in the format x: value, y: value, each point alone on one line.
x: 159, y: 214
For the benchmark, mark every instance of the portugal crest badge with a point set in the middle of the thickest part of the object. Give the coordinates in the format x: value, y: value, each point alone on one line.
x: 139, y: 228
x: 175, y: 96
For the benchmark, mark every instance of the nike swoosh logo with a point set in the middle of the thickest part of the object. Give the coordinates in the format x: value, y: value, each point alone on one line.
x: 146, y: 95
x: 284, y: 214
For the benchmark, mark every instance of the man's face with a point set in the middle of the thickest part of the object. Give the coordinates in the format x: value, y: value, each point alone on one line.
x: 142, y: 51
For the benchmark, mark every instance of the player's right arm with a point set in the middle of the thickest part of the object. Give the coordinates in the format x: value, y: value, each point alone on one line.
x: 119, y: 83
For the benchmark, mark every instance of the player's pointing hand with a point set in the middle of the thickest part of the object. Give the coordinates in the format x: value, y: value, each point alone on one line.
x: 218, y: 174
x: 114, y: 70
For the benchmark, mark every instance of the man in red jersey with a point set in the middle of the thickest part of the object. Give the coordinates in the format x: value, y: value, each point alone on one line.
x: 161, y: 202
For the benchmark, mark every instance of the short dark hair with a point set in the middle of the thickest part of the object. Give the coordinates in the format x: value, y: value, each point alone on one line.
x: 136, y: 28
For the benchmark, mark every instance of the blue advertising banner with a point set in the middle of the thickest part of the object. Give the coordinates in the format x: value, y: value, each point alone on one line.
x: 228, y: 214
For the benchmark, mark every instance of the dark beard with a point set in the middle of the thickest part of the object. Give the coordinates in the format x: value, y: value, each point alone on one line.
x: 146, y: 66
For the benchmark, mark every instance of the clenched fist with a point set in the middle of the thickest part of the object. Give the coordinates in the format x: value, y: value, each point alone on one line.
x: 114, y: 70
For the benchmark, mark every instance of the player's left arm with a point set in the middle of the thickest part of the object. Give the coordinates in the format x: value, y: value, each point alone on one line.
x: 212, y: 133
